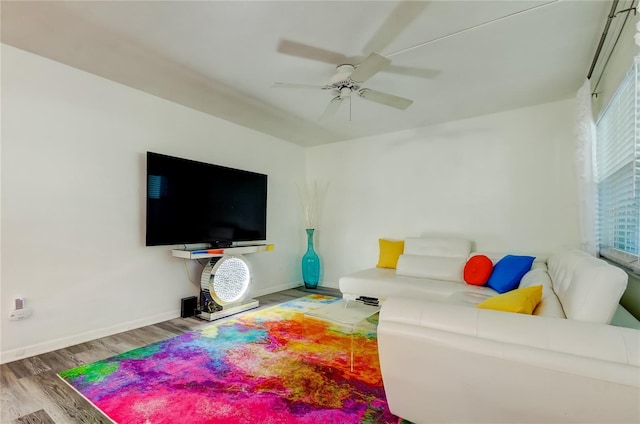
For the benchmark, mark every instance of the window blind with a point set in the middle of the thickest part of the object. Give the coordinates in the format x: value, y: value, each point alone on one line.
x: 617, y: 169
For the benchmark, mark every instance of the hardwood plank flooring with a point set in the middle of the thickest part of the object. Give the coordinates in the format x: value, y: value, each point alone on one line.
x: 38, y: 417
x: 31, y: 392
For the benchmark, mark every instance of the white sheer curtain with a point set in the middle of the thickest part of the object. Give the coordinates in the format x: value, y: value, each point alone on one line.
x: 587, y: 187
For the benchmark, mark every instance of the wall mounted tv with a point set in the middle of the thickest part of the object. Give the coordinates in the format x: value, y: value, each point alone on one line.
x: 191, y: 202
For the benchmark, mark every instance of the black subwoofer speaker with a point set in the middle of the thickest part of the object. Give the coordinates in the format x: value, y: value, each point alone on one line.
x: 188, y: 306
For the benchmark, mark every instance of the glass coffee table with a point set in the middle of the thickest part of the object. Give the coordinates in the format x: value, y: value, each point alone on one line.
x: 347, y: 314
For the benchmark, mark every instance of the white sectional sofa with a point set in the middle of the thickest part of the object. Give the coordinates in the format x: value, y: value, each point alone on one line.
x: 444, y: 360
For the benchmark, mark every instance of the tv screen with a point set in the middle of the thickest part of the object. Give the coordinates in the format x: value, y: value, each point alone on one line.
x: 197, y: 202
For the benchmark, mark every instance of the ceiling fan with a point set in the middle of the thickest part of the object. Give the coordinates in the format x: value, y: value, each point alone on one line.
x: 352, y: 72
x: 348, y: 81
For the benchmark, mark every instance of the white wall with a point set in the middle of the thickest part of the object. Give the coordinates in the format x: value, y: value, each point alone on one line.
x: 73, y: 203
x: 506, y: 181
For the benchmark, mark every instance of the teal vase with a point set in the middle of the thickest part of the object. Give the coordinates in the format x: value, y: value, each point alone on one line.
x: 310, y: 263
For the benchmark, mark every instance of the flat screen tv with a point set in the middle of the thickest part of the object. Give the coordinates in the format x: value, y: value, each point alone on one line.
x: 191, y: 202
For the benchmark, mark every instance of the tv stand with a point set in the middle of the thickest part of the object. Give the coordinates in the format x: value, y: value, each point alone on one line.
x: 209, y: 309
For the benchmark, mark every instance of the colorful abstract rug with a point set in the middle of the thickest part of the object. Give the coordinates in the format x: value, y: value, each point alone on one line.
x: 275, y: 365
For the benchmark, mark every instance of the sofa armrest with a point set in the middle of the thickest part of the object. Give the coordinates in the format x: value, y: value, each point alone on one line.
x: 472, y: 364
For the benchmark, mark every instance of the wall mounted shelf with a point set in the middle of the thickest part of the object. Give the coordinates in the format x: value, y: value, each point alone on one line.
x: 213, y: 253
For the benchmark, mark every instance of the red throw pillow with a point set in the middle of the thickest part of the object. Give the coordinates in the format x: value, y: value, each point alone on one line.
x: 477, y: 270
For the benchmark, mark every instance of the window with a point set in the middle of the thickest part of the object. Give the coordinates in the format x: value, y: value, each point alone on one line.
x: 617, y: 158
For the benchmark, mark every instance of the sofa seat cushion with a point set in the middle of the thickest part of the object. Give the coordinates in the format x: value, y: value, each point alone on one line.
x: 588, y: 288
x: 384, y: 283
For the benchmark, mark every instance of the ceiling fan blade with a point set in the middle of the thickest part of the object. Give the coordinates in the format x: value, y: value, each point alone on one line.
x: 294, y: 48
x: 396, y: 22
x: 331, y: 108
x: 412, y: 72
x: 373, y: 64
x: 295, y: 85
x: 385, y: 99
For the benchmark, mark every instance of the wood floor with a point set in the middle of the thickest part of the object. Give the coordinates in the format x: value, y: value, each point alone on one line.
x: 31, y: 391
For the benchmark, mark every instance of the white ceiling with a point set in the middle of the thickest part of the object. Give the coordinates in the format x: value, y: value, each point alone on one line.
x: 470, y: 57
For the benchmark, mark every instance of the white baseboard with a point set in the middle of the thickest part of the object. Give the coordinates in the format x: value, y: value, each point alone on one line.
x: 63, y: 342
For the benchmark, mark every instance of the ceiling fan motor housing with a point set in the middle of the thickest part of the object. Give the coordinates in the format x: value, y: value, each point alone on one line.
x: 342, y: 83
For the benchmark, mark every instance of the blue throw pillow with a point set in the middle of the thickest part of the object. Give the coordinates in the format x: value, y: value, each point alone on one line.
x: 508, y: 272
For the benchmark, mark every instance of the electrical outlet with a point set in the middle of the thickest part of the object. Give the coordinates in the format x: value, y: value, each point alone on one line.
x: 19, y: 314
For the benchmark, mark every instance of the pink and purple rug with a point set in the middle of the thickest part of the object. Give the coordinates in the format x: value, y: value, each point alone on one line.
x: 271, y: 366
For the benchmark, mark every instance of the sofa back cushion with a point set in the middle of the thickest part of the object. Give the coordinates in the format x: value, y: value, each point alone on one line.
x: 435, y: 258
x: 588, y: 288
x: 433, y: 267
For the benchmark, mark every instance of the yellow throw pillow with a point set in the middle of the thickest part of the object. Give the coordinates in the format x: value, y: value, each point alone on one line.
x: 522, y: 301
x: 390, y: 251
